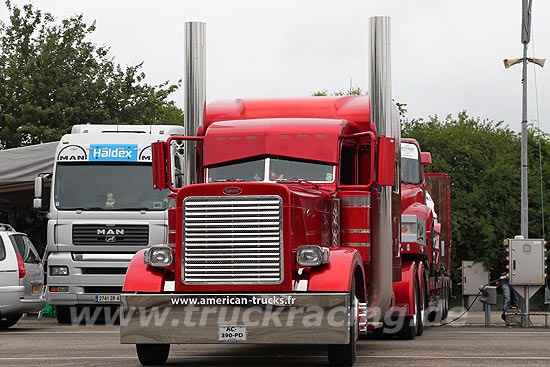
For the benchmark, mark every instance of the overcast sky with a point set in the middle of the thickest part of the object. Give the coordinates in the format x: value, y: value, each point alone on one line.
x: 446, y: 54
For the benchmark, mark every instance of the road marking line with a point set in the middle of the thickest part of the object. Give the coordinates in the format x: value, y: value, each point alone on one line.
x: 502, y: 332
x: 459, y: 357
x: 58, y: 358
x: 278, y: 356
x: 14, y: 333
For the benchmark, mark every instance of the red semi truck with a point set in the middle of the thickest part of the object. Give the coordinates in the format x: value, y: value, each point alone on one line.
x: 307, y: 222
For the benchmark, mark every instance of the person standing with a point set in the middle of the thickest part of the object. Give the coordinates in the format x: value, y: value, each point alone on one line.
x: 510, y: 295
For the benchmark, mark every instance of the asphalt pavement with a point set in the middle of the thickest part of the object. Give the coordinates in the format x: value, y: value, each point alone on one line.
x: 463, y: 343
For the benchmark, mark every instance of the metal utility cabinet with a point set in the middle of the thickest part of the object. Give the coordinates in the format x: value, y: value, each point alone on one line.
x: 526, y: 261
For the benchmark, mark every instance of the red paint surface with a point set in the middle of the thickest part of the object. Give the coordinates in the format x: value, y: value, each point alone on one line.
x: 350, y: 108
x: 336, y: 276
x: 310, y: 139
x: 141, y: 277
x: 404, y: 290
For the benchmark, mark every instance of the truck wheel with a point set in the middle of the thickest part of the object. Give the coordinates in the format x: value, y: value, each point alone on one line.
x: 346, y: 354
x: 152, y: 354
x: 445, y: 303
x: 9, y: 321
x: 63, y: 314
x: 421, y: 314
x: 435, y: 316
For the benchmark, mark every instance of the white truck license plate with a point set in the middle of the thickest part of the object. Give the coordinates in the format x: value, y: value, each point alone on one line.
x: 108, y: 298
x: 232, y: 333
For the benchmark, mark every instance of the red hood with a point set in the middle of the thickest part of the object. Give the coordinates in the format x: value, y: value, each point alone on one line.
x: 411, y: 194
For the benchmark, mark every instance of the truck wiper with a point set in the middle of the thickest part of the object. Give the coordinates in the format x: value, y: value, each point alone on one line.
x: 100, y: 208
x: 85, y: 208
x: 129, y: 209
x: 297, y: 180
x: 230, y: 180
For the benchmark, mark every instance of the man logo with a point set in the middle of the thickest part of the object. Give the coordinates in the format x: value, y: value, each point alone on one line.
x: 110, y: 239
x: 110, y: 231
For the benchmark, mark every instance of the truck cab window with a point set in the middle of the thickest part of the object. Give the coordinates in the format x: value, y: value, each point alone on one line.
x: 107, y: 186
x: 249, y: 171
x: 282, y: 168
x: 271, y: 169
x: 410, y: 163
x: 347, y: 165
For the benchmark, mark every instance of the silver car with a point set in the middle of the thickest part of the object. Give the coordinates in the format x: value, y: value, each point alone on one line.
x: 21, y: 277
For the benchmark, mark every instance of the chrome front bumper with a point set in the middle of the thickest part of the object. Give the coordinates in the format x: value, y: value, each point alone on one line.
x: 289, y: 318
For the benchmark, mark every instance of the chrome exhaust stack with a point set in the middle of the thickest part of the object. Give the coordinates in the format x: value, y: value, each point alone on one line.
x: 379, y: 299
x: 195, y: 94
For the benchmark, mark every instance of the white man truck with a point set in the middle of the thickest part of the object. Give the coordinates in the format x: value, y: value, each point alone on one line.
x: 102, y: 210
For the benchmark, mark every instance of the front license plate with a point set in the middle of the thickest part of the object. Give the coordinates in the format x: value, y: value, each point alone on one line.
x: 36, y: 288
x: 108, y: 298
x: 232, y: 333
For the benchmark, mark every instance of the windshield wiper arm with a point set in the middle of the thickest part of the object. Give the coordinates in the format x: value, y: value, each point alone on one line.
x: 85, y: 208
x: 297, y: 180
x: 130, y: 209
x: 230, y: 180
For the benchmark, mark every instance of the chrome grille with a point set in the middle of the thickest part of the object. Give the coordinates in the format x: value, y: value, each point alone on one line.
x: 232, y: 240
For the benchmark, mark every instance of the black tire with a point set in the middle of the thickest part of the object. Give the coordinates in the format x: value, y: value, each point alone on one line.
x: 346, y: 354
x: 378, y: 333
x: 436, y: 316
x: 422, y: 301
x: 446, y: 303
x: 152, y: 354
x: 8, y: 321
x: 63, y: 314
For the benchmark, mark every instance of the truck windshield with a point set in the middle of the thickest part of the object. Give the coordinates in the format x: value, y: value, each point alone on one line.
x: 271, y: 169
x: 410, y: 163
x: 107, y: 186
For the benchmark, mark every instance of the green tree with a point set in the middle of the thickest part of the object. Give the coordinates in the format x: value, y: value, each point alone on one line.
x: 483, y: 159
x: 53, y: 77
x: 352, y: 92
x: 538, y: 150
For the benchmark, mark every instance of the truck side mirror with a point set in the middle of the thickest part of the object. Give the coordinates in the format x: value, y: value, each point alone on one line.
x: 38, y: 187
x: 386, y: 162
x: 160, y: 180
x: 38, y: 202
x: 426, y: 158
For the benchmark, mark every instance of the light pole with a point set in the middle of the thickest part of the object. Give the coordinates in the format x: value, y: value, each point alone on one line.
x: 525, y: 38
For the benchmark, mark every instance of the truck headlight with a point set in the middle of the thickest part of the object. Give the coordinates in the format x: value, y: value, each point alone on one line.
x: 59, y: 270
x: 313, y: 255
x: 160, y: 256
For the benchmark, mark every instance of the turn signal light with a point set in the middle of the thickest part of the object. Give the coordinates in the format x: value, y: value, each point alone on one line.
x: 54, y: 289
x: 21, y: 265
